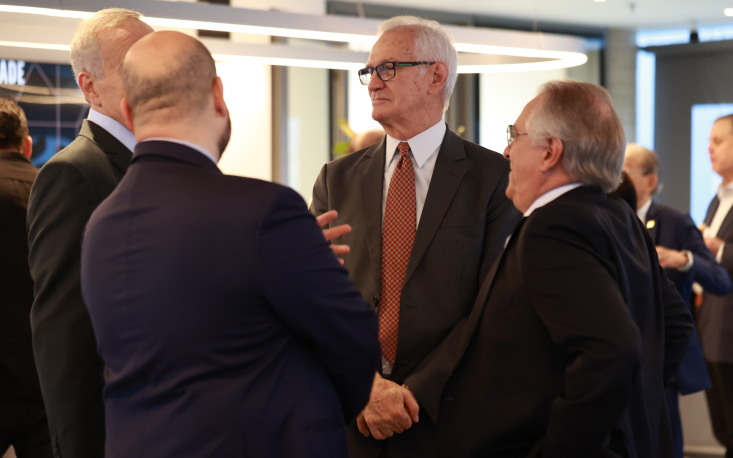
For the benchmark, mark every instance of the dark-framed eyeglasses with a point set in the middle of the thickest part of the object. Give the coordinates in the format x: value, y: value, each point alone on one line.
x: 385, y: 71
x: 512, y: 133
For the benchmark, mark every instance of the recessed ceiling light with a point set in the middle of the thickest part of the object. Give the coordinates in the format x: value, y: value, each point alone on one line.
x: 728, y: 11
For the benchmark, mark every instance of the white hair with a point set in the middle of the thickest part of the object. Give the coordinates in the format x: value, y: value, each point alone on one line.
x: 432, y: 43
x: 85, y: 52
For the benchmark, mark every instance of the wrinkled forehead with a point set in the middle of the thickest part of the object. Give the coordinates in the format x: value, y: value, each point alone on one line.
x: 395, y: 45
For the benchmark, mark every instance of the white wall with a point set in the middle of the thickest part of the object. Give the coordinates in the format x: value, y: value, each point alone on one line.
x: 247, y: 94
x: 502, y: 98
x: 307, y: 126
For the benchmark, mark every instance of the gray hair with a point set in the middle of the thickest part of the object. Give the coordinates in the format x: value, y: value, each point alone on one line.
x: 582, y: 116
x: 432, y: 43
x: 85, y: 52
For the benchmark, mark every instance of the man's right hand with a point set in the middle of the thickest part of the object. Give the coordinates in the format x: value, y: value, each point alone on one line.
x: 391, y: 409
x: 331, y: 233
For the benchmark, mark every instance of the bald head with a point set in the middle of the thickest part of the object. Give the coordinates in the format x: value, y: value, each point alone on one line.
x: 166, y: 76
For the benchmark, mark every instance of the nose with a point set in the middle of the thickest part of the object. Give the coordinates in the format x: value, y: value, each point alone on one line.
x: 506, y: 151
x: 375, y: 82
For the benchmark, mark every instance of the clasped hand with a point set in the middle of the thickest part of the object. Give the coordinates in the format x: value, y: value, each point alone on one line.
x: 392, y: 409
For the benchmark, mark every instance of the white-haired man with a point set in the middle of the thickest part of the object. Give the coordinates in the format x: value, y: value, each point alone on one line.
x: 428, y: 222
x: 68, y: 188
x: 576, y: 329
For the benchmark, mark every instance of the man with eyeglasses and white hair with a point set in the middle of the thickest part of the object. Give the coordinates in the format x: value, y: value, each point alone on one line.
x: 428, y: 215
x: 576, y: 330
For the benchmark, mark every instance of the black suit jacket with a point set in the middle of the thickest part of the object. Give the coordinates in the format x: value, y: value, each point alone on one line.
x: 18, y: 378
x: 715, y: 316
x: 574, y: 333
x: 68, y: 188
x: 465, y: 221
x: 227, y: 326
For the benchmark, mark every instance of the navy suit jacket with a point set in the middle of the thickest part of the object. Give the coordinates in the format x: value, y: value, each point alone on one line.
x: 570, y: 341
x: 673, y: 229
x: 226, y: 324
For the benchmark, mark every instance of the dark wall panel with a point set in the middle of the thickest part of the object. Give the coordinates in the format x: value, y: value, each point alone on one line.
x: 686, y: 75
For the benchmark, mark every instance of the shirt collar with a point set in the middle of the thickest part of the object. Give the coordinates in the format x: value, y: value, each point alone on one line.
x: 117, y: 130
x: 422, y: 145
x: 549, y: 196
x: 725, y: 191
x: 643, y: 210
x: 185, y: 143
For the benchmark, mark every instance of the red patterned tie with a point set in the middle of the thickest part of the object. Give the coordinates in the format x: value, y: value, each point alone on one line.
x: 398, y: 234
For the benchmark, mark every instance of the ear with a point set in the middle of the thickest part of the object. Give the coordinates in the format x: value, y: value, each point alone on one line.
x: 87, y: 85
x: 127, y: 114
x: 653, y: 181
x: 27, y: 146
x: 220, y: 106
x: 553, y: 154
x: 439, y: 78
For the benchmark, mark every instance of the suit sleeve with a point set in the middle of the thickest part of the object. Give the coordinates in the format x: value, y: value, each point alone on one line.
x: 591, y: 324
x: 69, y: 369
x: 712, y: 276
x: 314, y: 297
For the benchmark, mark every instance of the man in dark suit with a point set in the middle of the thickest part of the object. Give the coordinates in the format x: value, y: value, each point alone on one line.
x: 715, y: 316
x: 67, y: 190
x: 685, y: 259
x: 22, y: 416
x: 457, y: 222
x: 226, y: 324
x: 576, y: 328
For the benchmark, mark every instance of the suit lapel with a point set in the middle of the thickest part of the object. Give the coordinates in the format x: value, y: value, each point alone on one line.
x: 727, y: 226
x: 116, y: 152
x: 652, y: 223
x: 450, y: 167
x: 451, y: 351
x: 370, y: 186
x: 712, y: 208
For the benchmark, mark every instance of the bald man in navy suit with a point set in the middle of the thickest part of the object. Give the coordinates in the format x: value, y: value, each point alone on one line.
x: 226, y: 325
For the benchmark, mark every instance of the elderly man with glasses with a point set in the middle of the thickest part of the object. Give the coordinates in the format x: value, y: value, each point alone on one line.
x: 576, y: 330
x: 428, y: 215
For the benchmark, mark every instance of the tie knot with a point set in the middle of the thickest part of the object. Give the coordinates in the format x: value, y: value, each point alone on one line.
x: 404, y: 149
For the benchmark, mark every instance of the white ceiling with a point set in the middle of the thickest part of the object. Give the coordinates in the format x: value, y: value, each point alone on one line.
x: 633, y: 14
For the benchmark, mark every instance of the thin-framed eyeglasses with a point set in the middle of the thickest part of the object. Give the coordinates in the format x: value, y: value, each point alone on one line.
x: 385, y: 71
x: 512, y: 133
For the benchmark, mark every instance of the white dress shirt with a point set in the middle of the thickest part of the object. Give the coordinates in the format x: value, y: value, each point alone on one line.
x: 424, y: 147
x: 117, y: 130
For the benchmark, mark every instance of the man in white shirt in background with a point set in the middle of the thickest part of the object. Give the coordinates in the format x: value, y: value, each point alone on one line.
x: 715, y: 316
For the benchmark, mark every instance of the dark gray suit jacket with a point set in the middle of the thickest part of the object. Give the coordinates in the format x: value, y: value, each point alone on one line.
x: 68, y: 188
x: 462, y: 229
x: 715, y: 316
